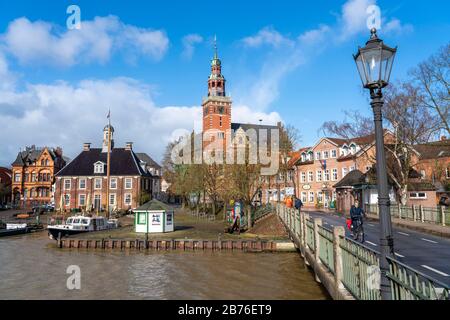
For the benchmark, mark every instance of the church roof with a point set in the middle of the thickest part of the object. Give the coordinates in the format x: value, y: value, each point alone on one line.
x: 147, y: 159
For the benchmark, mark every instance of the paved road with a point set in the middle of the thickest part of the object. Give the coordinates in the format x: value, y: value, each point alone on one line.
x: 424, y: 252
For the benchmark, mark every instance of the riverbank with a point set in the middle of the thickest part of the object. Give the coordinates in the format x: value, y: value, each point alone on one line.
x: 192, y: 228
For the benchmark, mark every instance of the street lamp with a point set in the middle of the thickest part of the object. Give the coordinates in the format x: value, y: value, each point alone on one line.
x: 374, y: 62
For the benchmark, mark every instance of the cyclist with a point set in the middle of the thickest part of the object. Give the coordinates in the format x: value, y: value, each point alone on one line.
x: 356, y: 215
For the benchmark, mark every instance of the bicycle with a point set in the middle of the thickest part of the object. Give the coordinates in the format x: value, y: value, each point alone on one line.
x: 358, y: 230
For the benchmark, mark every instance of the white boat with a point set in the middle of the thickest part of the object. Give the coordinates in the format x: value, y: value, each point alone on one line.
x: 81, y: 224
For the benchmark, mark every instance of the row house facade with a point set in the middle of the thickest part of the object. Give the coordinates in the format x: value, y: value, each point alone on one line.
x: 320, y: 167
x: 83, y: 183
x: 33, y: 174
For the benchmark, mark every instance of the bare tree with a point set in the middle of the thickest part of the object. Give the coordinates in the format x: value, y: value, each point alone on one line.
x: 354, y: 125
x: 433, y: 78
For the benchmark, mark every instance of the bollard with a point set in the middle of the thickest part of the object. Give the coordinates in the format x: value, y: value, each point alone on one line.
x: 443, y: 216
x: 421, y: 214
x: 414, y: 213
x: 338, y: 232
x: 400, y: 211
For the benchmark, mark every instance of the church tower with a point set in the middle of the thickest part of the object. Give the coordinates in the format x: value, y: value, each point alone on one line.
x: 216, y: 106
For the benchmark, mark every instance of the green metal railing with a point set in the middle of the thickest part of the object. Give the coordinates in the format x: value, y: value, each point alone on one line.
x: 432, y: 215
x: 310, y: 241
x: 359, y: 264
x: 410, y: 284
x: 326, y: 253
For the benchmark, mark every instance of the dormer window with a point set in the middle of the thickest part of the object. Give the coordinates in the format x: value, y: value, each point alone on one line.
x: 99, y: 167
x: 353, y: 148
x: 303, y: 157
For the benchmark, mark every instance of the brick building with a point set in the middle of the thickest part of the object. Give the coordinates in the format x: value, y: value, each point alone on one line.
x: 5, y: 185
x: 82, y: 184
x: 322, y: 166
x: 33, y: 175
x: 433, y: 164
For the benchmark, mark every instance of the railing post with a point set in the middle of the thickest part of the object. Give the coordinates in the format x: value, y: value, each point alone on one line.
x: 302, y: 233
x: 338, y: 232
x: 400, y: 211
x: 443, y: 216
x: 421, y: 214
x: 299, y: 230
x: 414, y: 213
x: 317, y: 223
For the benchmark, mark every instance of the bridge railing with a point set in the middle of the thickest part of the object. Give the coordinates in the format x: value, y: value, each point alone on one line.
x: 353, y: 265
x: 410, y: 284
x: 326, y: 254
x: 360, y: 265
x: 433, y: 215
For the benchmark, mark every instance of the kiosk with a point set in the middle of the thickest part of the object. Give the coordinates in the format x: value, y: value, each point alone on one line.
x: 154, y: 217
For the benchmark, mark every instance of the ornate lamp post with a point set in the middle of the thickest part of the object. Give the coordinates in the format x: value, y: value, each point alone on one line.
x: 374, y: 62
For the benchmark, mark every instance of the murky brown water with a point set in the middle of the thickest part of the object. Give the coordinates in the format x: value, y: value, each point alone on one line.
x: 31, y: 270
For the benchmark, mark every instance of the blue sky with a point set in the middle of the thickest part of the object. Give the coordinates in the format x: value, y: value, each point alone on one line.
x: 149, y: 61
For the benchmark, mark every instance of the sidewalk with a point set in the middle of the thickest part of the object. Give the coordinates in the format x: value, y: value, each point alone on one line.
x: 435, y: 229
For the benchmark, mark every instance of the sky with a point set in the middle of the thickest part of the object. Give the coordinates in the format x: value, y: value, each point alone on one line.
x: 148, y: 62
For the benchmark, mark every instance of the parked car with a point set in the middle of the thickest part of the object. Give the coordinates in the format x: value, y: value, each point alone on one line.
x: 43, y: 208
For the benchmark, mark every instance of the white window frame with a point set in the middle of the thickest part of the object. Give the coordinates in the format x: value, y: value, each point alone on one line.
x: 99, y: 167
x: 417, y: 196
x: 326, y: 175
x: 334, y: 174
x: 115, y: 199
x: 79, y: 199
x: 110, y: 183
x: 95, y: 184
x: 319, y: 176
x: 317, y: 157
x: 66, y: 200
x: 310, y: 176
x: 65, y: 184
x: 303, y: 177
x: 320, y: 196
x: 304, y: 196
x: 125, y: 198
x: 79, y: 184
x: 131, y: 183
x: 311, y: 197
x: 334, y: 153
x: 344, y: 172
x: 326, y: 154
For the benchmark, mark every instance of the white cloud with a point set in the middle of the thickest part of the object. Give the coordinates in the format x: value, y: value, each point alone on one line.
x: 267, y: 36
x: 394, y: 26
x: 246, y: 114
x: 189, y: 42
x: 42, y: 42
x: 76, y: 113
x: 353, y: 18
x: 315, y: 36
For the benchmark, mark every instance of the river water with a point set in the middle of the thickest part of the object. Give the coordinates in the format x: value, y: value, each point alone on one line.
x: 30, y: 268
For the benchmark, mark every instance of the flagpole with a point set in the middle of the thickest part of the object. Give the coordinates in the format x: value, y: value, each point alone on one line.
x: 108, y: 161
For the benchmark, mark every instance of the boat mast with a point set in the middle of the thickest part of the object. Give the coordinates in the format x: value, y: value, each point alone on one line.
x: 108, y: 161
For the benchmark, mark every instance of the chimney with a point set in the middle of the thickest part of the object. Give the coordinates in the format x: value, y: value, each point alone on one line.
x: 443, y: 138
x: 86, y: 146
x: 128, y: 145
x: 279, y: 124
